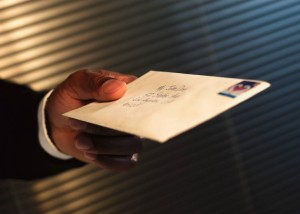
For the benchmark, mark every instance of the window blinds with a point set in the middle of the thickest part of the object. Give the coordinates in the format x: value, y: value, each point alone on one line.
x: 244, y: 161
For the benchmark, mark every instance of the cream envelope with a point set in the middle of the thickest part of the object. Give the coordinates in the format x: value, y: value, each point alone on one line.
x: 160, y: 105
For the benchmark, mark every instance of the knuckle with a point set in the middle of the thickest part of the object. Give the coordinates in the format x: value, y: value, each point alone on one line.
x: 77, y: 74
x: 102, y: 72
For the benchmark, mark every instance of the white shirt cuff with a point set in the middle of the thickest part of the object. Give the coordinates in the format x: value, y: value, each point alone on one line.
x: 44, y: 139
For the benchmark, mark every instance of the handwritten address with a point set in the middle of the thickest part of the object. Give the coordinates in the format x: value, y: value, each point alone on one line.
x: 162, y: 95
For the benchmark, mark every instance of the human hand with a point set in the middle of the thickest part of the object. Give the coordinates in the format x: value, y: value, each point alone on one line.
x: 108, y: 149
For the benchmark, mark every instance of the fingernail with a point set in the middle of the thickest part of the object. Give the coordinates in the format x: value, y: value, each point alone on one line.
x: 112, y: 85
x: 90, y: 156
x: 83, y: 143
x: 135, y: 157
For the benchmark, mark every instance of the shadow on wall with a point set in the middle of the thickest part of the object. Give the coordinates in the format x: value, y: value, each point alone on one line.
x: 240, y: 162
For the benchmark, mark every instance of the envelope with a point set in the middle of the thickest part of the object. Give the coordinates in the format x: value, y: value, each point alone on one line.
x: 161, y: 105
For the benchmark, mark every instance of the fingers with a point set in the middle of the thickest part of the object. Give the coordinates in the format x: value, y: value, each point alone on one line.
x: 115, y: 163
x: 93, y: 129
x: 110, y: 152
x: 105, y: 147
x: 100, y: 85
x: 120, y: 145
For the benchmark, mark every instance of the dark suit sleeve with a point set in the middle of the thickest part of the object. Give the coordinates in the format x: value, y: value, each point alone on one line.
x: 21, y: 156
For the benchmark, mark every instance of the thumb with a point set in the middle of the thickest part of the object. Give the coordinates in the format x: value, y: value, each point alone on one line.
x: 99, y: 86
x: 112, y: 89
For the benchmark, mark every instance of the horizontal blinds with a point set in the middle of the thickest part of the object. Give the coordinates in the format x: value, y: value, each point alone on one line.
x: 244, y: 161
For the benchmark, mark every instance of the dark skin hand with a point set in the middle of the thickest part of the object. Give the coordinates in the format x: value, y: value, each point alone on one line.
x: 106, y: 148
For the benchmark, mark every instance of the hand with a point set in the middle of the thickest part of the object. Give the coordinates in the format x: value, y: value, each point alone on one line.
x: 104, y: 147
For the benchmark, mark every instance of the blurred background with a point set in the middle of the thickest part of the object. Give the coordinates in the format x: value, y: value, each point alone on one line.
x: 246, y: 160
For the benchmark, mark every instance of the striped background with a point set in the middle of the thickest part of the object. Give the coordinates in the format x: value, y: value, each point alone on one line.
x: 245, y: 161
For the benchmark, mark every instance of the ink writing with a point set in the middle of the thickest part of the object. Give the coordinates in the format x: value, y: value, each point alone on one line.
x: 162, y: 95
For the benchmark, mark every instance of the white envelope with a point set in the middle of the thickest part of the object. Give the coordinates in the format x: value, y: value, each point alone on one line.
x: 160, y: 105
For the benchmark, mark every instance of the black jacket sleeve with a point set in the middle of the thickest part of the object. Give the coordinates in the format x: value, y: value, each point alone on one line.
x: 21, y: 156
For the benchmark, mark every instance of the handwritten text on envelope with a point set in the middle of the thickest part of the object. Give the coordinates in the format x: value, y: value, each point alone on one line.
x: 161, y: 105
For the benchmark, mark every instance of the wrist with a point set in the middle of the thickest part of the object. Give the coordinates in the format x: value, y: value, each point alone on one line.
x: 45, y: 141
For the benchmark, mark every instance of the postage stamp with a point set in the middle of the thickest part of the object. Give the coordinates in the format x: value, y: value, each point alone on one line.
x: 238, y: 89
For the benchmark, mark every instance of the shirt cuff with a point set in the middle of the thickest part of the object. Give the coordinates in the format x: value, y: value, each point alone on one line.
x: 44, y: 139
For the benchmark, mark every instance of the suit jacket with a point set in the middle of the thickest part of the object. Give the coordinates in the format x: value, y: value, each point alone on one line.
x: 21, y: 154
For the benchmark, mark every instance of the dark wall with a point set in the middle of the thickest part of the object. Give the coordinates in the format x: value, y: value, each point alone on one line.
x: 247, y: 160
